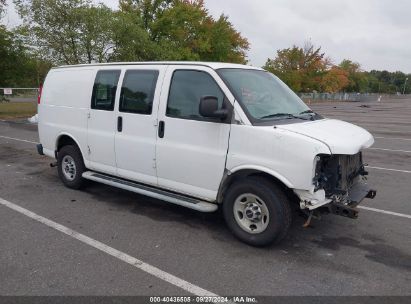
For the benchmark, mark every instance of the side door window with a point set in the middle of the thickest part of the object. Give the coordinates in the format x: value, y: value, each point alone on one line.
x: 137, y: 91
x: 101, y: 122
x: 136, y: 139
x: 186, y: 89
x: 104, y: 90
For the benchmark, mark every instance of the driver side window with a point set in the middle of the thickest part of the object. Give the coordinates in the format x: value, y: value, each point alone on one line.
x: 186, y: 89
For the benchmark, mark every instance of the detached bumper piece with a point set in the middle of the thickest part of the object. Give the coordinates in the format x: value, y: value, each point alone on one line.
x: 357, y: 193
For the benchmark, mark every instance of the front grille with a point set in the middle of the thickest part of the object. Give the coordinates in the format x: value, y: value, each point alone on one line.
x: 337, y: 173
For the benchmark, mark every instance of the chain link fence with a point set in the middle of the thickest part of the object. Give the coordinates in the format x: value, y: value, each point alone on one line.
x: 339, y: 97
x: 18, y: 94
x: 354, y: 97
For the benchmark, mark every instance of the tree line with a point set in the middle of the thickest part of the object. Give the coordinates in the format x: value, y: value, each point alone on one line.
x: 307, y: 69
x: 57, y: 32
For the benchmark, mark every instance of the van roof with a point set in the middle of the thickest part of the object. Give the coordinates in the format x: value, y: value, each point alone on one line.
x: 213, y: 65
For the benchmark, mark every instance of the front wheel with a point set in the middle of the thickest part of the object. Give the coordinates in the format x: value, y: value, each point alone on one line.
x: 257, y: 212
x: 70, y: 166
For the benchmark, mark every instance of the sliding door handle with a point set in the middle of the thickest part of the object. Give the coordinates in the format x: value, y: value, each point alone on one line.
x: 161, y: 127
x: 119, y: 124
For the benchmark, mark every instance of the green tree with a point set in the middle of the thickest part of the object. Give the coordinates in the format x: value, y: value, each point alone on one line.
x: 10, y: 54
x: 398, y: 79
x: 131, y: 41
x: 389, y: 82
x: 95, y: 23
x: 357, y: 78
x: 77, y: 31
x: 301, y: 68
x: 149, y: 12
x: 68, y: 31
x: 225, y: 43
x: 18, y: 67
x: 2, y: 6
x: 184, y: 30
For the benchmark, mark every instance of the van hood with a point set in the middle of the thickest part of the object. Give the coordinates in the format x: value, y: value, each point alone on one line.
x: 341, y: 137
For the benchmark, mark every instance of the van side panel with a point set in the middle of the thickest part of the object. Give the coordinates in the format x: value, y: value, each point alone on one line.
x: 64, y: 107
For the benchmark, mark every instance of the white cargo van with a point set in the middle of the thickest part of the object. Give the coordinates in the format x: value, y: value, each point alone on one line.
x: 203, y: 135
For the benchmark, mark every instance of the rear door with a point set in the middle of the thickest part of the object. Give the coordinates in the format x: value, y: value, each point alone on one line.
x: 101, y: 124
x: 136, y: 135
x: 191, y: 149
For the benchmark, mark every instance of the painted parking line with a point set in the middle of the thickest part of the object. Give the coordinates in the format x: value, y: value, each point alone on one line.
x: 390, y: 150
x: 394, y: 138
x: 385, y: 212
x: 18, y: 139
x: 152, y: 270
x: 388, y: 169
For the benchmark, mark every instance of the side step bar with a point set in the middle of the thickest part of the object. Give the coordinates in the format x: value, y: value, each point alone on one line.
x: 164, y: 195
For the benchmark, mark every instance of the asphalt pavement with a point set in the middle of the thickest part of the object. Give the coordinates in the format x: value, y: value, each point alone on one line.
x: 334, y: 256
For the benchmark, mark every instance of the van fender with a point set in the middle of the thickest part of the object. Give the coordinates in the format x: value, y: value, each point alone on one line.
x: 273, y: 173
x: 249, y: 169
x: 74, y: 139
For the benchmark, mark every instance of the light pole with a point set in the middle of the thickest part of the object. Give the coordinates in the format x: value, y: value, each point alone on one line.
x: 405, y: 83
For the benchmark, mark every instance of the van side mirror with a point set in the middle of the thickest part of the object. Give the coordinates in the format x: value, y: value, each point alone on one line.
x: 209, y: 108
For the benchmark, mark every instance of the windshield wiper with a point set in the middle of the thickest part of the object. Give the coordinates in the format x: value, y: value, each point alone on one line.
x: 313, y: 116
x: 277, y: 115
x: 307, y: 112
x: 287, y: 115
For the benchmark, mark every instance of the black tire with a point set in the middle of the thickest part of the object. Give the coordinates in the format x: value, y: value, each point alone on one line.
x: 74, y: 152
x: 276, y: 202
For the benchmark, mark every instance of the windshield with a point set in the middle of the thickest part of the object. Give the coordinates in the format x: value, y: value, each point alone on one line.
x: 263, y: 95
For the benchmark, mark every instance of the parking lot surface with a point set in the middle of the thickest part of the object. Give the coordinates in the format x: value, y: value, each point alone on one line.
x: 334, y: 256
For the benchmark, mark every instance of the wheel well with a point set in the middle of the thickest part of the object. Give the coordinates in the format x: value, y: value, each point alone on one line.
x: 65, y: 140
x: 228, y: 180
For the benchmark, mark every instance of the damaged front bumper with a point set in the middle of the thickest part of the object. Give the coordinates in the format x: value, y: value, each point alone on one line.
x: 357, y: 193
x: 344, y: 205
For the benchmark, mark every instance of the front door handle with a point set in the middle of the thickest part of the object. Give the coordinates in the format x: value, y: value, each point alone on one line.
x: 119, y: 124
x: 161, y: 127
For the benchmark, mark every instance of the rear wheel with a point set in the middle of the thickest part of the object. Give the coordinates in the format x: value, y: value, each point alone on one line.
x: 70, y: 166
x: 257, y: 211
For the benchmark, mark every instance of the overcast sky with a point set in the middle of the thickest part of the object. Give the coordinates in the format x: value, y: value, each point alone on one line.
x: 375, y: 33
